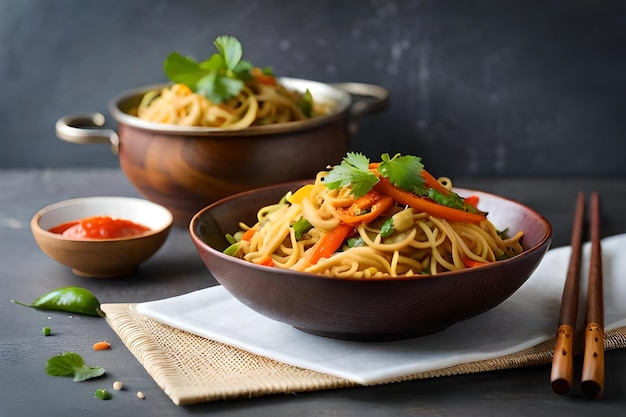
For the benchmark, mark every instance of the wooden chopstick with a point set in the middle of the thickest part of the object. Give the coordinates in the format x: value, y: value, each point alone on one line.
x: 563, y: 359
x: 592, y: 383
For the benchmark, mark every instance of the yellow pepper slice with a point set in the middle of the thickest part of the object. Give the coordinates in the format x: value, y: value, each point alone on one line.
x: 300, y: 194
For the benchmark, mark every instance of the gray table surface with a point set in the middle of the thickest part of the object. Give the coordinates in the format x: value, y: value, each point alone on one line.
x: 176, y: 269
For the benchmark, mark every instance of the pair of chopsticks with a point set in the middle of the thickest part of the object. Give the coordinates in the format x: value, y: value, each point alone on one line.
x: 592, y: 380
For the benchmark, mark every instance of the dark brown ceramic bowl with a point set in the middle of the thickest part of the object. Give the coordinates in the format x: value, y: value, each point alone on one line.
x: 373, y: 309
x: 187, y: 168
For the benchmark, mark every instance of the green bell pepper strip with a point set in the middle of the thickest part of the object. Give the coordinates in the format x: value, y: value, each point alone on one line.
x: 300, y: 227
x: 70, y: 299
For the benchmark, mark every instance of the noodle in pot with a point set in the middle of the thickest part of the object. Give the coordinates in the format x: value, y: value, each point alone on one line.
x: 226, y: 92
x: 256, y: 104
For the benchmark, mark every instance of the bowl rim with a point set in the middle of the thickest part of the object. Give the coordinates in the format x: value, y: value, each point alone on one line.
x: 545, y: 240
x: 338, y: 96
x: 163, y: 227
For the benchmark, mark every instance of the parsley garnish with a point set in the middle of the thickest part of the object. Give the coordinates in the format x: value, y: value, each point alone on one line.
x: 72, y: 364
x: 218, y: 78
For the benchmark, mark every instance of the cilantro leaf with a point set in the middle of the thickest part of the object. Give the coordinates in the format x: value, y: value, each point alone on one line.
x: 214, y: 63
x: 218, y: 78
x: 403, y: 172
x: 72, y: 364
x: 353, y: 171
x: 182, y: 69
x: 242, y: 70
x: 230, y: 49
x: 215, y: 87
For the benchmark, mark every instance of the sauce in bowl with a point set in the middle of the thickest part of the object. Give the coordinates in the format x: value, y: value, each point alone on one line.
x: 99, y: 227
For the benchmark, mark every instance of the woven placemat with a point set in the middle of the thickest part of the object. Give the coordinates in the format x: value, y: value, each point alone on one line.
x: 192, y: 369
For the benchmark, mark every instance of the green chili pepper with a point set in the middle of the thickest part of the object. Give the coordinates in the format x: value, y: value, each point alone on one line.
x: 71, y: 299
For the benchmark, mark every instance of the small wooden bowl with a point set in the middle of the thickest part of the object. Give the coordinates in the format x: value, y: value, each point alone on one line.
x: 102, y: 258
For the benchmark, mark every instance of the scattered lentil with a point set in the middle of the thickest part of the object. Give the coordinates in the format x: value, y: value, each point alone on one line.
x: 140, y: 395
x: 118, y: 385
x: 104, y: 345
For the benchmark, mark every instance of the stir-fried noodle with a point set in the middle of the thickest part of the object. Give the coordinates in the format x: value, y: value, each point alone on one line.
x: 256, y: 104
x: 421, y: 243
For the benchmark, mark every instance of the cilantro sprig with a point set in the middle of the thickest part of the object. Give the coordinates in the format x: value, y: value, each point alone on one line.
x: 353, y: 171
x: 72, y: 364
x: 218, y: 78
x: 402, y: 171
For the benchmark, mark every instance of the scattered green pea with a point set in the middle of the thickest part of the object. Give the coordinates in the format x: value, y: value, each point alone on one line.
x: 46, y: 331
x: 102, y: 394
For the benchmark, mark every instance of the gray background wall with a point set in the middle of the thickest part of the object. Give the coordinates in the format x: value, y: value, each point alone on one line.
x: 477, y: 87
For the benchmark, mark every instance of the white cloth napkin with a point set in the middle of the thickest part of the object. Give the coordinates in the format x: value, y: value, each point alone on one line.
x: 527, y: 318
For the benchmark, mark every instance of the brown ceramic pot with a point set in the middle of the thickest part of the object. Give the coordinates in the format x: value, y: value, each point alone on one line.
x: 188, y: 168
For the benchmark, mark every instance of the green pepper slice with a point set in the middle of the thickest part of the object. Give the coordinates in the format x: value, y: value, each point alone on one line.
x: 70, y: 299
x: 300, y: 227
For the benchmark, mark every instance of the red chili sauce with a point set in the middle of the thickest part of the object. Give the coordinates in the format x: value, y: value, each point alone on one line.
x: 99, y: 227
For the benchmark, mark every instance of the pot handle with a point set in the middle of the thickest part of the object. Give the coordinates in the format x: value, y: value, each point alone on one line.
x: 370, y: 99
x: 83, y: 129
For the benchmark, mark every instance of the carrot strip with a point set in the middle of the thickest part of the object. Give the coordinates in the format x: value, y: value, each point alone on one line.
x: 433, y: 183
x: 363, y: 203
x: 330, y: 242
x: 266, y: 261
x: 261, y: 78
x: 471, y: 201
x: 372, y: 201
x: 470, y: 263
x: 381, y: 206
x: 247, y: 235
x: 265, y: 79
x: 425, y: 205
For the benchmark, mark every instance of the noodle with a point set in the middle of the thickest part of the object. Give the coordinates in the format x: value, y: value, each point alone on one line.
x: 256, y: 104
x: 428, y: 246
